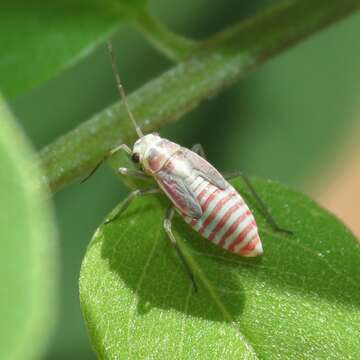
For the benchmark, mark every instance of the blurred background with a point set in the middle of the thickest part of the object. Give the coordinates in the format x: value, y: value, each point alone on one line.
x: 296, y: 120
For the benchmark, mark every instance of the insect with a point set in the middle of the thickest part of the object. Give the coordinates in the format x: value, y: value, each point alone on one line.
x: 198, y: 192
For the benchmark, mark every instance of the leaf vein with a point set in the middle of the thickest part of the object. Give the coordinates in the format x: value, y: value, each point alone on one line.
x: 137, y: 289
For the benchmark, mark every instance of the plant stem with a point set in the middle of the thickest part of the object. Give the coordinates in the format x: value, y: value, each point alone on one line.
x: 218, y: 62
x: 174, y: 46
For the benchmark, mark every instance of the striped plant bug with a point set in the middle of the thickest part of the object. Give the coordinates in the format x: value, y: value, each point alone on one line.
x: 197, y: 191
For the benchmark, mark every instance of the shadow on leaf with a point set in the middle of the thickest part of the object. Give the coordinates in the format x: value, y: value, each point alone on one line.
x: 146, y: 262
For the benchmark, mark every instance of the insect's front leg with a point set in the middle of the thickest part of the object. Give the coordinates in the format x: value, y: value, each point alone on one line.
x: 125, y: 204
x: 168, y: 228
x: 122, y: 147
x: 269, y: 218
x: 133, y: 173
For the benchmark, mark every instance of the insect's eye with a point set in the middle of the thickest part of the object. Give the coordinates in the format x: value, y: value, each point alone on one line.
x: 135, y: 157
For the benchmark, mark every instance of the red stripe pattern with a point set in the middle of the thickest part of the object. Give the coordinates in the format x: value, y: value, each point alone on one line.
x: 226, y: 220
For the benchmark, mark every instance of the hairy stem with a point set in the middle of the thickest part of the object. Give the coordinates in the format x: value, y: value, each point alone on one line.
x: 217, y: 63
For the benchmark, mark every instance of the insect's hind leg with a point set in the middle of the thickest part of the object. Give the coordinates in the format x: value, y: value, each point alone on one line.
x: 269, y: 218
x: 198, y: 148
x: 125, y: 204
x: 168, y: 228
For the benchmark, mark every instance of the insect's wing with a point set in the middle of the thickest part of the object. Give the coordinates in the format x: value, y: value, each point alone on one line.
x: 205, y: 169
x: 179, y: 193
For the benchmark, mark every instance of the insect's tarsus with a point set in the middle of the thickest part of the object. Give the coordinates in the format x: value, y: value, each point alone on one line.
x: 121, y: 89
x: 123, y: 147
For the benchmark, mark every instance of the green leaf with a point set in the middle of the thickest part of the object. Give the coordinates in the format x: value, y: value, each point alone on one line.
x: 28, y: 256
x: 41, y: 39
x: 300, y: 300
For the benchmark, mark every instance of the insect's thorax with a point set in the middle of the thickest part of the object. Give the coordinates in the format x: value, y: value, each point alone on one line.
x: 157, y: 157
x: 155, y: 152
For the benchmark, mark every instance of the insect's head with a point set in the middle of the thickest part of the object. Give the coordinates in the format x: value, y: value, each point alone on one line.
x: 143, y: 145
x: 152, y: 152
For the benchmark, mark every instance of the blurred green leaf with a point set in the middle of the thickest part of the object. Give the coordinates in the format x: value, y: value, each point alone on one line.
x: 41, y: 38
x: 300, y: 300
x: 28, y: 257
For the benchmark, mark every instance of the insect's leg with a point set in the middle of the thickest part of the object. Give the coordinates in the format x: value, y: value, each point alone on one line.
x: 167, y: 226
x: 123, y: 147
x: 125, y: 204
x: 197, y: 148
x: 133, y: 173
x: 269, y: 218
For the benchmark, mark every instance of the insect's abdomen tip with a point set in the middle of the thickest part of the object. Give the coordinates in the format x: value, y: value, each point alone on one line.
x: 259, y: 249
x: 254, y: 248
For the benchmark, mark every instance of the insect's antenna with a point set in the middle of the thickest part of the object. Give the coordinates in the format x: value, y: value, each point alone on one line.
x: 121, y: 89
